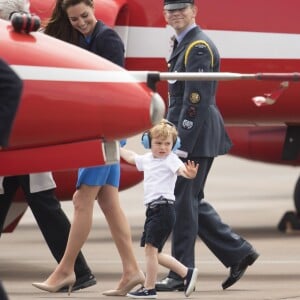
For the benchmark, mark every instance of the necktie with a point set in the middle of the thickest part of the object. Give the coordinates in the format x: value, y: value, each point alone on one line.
x: 175, y: 42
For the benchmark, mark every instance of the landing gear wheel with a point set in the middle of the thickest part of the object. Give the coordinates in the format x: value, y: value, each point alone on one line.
x: 291, y: 219
x: 297, y: 197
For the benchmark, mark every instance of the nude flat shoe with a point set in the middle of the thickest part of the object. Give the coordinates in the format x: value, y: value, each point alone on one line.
x: 68, y: 281
x: 139, y: 278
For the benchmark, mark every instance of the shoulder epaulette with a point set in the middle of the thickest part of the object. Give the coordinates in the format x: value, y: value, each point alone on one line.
x: 191, y: 45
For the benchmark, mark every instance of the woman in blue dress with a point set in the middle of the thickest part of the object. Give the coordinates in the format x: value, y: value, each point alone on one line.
x: 74, y: 21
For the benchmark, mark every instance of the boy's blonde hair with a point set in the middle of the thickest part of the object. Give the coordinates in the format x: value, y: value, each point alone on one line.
x: 164, y: 129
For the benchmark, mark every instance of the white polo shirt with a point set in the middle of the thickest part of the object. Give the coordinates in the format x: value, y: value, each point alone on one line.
x: 160, y: 175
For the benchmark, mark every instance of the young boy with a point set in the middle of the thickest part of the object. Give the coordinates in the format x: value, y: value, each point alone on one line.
x: 161, y: 167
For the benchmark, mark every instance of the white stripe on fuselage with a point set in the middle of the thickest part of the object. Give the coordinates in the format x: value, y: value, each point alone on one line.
x: 77, y: 75
x: 153, y: 42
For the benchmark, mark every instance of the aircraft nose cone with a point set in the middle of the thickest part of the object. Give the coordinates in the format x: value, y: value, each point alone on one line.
x: 157, y: 108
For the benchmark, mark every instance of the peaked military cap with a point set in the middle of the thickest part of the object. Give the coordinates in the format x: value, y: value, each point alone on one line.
x: 176, y: 4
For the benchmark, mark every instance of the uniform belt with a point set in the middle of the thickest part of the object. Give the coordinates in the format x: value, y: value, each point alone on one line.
x: 159, y: 202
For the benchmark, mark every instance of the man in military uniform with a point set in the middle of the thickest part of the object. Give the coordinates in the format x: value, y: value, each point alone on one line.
x: 193, y: 109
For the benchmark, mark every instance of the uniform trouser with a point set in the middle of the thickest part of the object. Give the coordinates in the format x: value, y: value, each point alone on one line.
x: 49, y: 216
x: 3, y: 295
x: 194, y: 216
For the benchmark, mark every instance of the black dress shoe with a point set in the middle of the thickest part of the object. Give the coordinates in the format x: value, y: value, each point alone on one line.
x: 169, y: 284
x: 81, y: 283
x: 289, y: 222
x: 238, y: 270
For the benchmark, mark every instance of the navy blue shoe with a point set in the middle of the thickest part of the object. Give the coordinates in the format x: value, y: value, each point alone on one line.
x: 143, y: 293
x: 190, y: 281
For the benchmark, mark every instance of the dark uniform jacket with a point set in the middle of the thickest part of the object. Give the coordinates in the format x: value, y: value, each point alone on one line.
x: 192, y: 104
x: 10, y: 94
x: 105, y: 42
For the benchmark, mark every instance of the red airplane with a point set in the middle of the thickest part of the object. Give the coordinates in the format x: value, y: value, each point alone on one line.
x: 262, y: 116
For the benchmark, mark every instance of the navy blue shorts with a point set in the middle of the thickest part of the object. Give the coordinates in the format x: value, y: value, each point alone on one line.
x: 158, y: 225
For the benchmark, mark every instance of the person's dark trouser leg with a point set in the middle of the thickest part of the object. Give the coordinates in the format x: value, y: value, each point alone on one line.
x: 194, y: 216
x: 3, y: 295
x: 10, y: 185
x: 53, y: 224
x: 226, y: 245
x: 186, y: 226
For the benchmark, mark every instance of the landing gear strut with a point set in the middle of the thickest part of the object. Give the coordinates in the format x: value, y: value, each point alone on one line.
x: 291, y: 219
x: 297, y: 196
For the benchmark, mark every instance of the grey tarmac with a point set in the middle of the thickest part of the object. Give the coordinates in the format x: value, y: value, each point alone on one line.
x: 250, y: 196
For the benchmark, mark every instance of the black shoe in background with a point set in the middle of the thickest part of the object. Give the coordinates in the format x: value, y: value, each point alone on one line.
x: 169, y: 284
x: 82, y: 282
